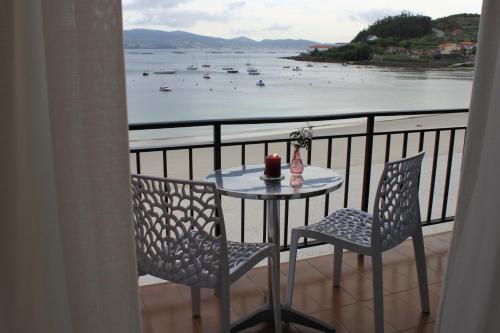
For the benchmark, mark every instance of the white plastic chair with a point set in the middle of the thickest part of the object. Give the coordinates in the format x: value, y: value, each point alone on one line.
x: 180, y: 237
x: 396, y: 216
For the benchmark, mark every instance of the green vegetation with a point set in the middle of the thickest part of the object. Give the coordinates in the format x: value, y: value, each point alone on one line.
x: 351, y: 52
x: 403, y: 26
x: 465, y: 26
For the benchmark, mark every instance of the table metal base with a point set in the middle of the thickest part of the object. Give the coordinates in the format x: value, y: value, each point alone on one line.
x: 288, y: 315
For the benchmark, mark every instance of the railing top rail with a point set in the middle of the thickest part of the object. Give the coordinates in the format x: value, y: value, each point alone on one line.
x: 291, y: 119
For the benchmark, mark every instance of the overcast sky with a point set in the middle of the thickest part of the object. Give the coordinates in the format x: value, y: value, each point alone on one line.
x: 319, y: 20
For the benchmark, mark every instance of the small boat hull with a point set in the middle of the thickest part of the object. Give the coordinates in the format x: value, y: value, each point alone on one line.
x: 165, y: 71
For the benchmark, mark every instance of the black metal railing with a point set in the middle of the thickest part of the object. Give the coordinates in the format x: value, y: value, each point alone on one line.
x: 369, y: 136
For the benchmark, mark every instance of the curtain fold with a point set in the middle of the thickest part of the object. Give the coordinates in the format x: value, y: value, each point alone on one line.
x: 470, y: 301
x: 66, y: 243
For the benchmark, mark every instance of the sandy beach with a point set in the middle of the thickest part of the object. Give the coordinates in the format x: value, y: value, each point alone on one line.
x: 177, y: 165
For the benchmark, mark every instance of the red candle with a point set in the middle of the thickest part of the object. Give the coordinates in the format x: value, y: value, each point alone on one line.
x: 272, y: 165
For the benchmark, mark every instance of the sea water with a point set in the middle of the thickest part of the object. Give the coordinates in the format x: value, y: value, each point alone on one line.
x: 324, y: 88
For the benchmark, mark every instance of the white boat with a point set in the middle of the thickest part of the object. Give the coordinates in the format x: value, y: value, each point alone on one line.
x: 251, y: 69
x: 165, y: 71
x: 191, y: 67
x: 165, y: 88
x: 296, y: 69
x: 260, y: 83
x: 206, y: 76
x: 310, y: 65
x: 254, y: 73
x: 232, y: 71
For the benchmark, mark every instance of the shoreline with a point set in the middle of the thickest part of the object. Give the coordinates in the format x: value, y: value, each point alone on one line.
x: 399, y: 64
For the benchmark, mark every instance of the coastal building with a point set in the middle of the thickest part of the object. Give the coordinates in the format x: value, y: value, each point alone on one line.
x: 448, y: 48
x: 396, y: 50
x: 468, y: 47
x: 371, y: 38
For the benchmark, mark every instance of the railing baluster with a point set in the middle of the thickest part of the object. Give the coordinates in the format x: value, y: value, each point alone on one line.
x: 365, y: 195
x: 405, y: 144
x: 287, y: 202
x: 328, y: 165
x: 217, y: 147
x: 433, y: 175
x: 165, y: 169
x: 387, y: 148
x: 448, y: 174
x: 190, y: 154
x: 421, y: 139
x: 138, y: 162
x: 266, y: 152
x: 242, y: 212
x: 347, y: 171
x: 306, y: 215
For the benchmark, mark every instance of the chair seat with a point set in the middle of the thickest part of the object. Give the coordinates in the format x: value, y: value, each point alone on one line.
x: 349, y: 225
x: 241, y: 253
x: 200, y: 275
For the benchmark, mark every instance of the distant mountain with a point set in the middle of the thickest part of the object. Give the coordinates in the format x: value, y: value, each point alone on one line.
x: 157, y: 39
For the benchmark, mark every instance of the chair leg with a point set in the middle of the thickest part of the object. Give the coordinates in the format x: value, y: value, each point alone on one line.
x: 291, y: 268
x: 418, y: 247
x: 225, y: 321
x: 195, y: 301
x: 337, y: 264
x: 378, y: 292
x: 275, y: 271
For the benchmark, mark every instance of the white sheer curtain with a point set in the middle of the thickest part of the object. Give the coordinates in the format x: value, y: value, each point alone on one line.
x: 471, y: 296
x: 67, y: 260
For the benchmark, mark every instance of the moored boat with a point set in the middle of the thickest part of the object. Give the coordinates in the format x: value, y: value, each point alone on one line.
x: 165, y: 71
x: 165, y: 88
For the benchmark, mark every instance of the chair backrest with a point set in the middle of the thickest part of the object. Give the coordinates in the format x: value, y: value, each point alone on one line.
x: 179, y: 230
x: 396, y: 214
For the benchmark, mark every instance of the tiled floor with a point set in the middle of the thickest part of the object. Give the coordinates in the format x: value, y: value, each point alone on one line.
x: 166, y: 307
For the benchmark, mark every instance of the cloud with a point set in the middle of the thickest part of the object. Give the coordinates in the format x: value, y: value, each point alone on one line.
x: 143, y: 5
x: 243, y: 32
x: 372, y: 15
x: 279, y: 27
x: 236, y: 5
x: 159, y: 13
x: 171, y: 18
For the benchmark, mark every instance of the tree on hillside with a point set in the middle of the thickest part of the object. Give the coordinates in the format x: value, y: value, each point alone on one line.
x: 403, y: 26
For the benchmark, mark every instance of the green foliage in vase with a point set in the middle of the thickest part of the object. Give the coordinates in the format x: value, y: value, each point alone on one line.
x: 301, y: 137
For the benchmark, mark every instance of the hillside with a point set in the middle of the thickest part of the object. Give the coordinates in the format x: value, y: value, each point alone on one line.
x: 410, y: 40
x: 157, y: 39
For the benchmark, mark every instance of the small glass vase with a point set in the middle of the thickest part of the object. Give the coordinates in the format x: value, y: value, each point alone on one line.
x: 296, y: 165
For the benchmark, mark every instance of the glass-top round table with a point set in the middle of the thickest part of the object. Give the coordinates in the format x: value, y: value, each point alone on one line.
x: 244, y: 182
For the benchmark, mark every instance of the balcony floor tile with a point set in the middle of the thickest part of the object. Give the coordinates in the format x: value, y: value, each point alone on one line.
x: 166, y: 307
